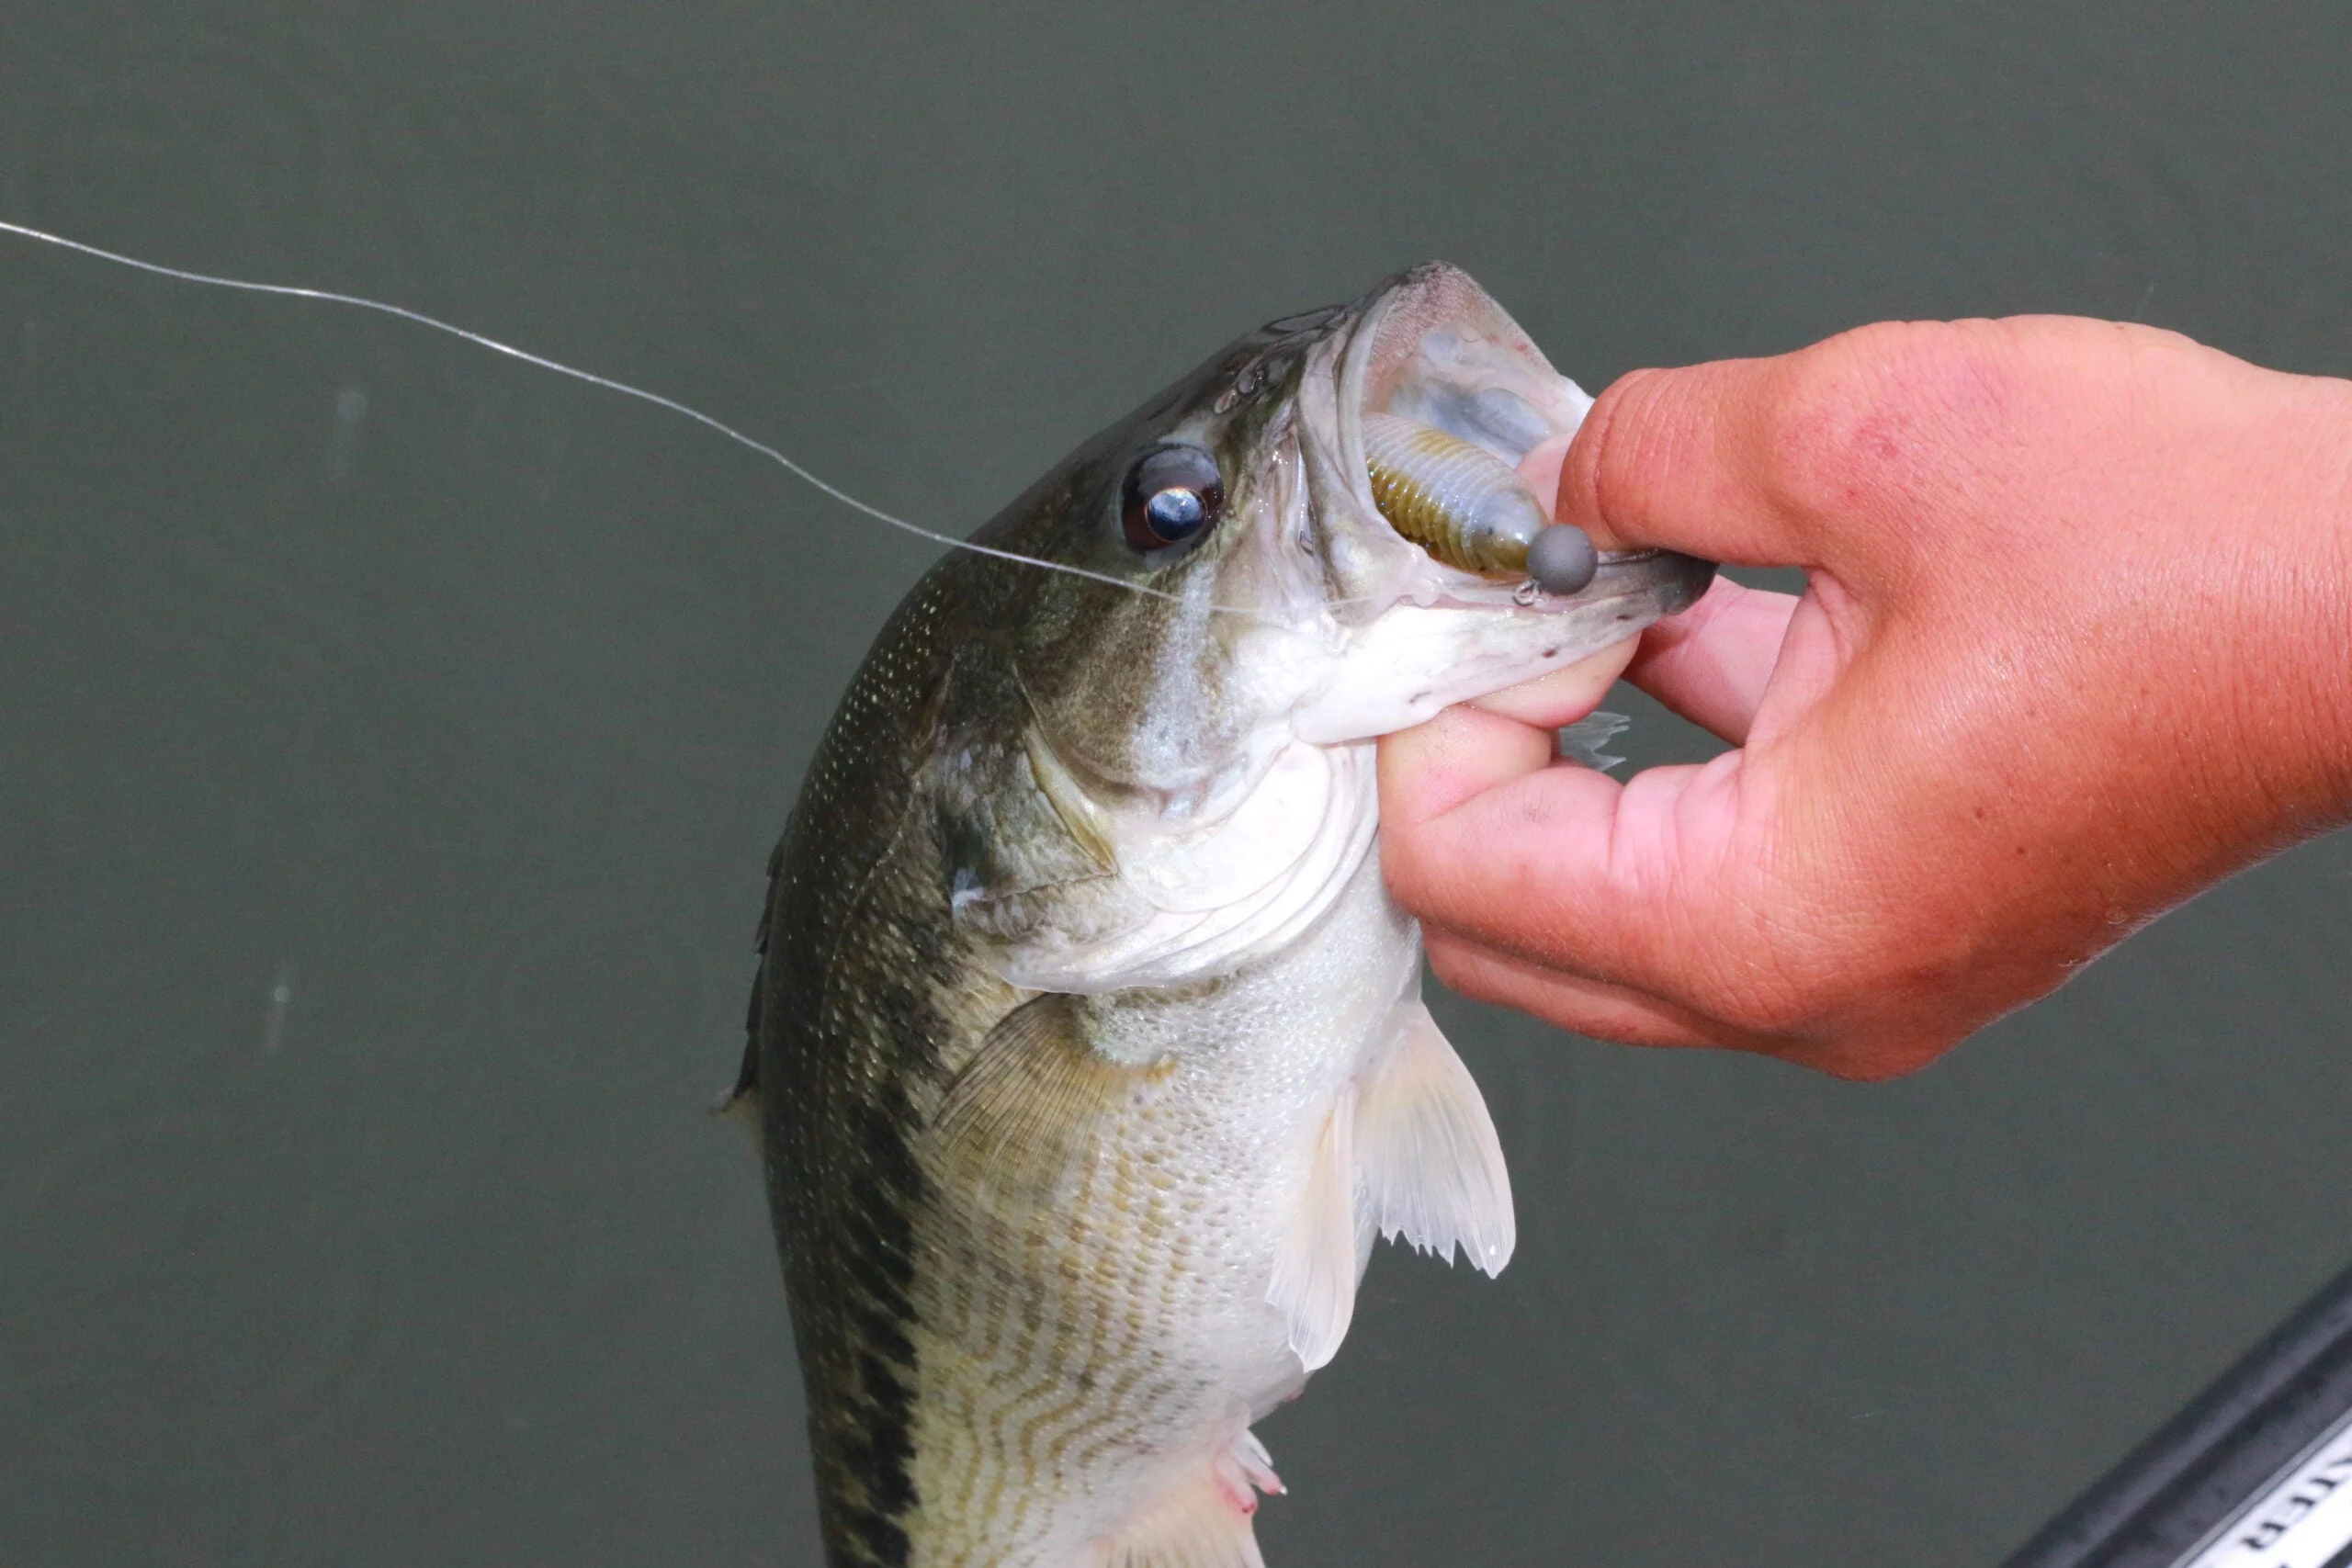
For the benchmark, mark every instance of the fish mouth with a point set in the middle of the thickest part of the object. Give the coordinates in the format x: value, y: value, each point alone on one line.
x: 1430, y: 350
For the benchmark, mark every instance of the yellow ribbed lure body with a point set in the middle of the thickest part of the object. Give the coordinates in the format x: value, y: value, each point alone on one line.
x: 1462, y: 503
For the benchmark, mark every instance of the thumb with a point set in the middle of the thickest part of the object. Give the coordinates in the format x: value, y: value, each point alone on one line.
x: 1672, y: 459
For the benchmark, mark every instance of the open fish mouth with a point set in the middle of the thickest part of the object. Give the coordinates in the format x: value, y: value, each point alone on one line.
x: 1440, y: 398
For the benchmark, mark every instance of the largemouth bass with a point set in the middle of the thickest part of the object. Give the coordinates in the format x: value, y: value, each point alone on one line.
x: 1087, y: 1049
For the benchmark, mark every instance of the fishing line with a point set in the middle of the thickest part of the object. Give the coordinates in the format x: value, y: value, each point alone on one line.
x: 479, y: 339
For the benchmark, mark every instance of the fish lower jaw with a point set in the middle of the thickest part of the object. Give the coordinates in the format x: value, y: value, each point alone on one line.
x: 1412, y: 664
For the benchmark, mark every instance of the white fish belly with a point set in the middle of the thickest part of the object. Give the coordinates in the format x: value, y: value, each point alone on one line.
x: 1086, y: 1355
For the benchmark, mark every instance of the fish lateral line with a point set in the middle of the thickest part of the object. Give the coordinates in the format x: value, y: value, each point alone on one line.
x: 606, y: 383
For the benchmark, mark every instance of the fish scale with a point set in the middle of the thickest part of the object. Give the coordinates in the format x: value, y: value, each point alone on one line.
x: 1125, y: 1269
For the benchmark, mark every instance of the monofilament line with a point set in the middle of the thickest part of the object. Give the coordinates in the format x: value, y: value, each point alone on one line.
x: 328, y: 295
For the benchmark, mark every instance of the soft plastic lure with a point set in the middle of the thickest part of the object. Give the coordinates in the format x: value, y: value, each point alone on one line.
x: 1468, y: 507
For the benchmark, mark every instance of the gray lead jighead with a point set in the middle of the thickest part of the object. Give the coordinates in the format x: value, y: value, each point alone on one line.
x: 1087, y: 1047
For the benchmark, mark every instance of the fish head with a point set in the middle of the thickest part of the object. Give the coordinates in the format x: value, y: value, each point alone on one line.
x: 1240, y: 615
x: 1292, y: 602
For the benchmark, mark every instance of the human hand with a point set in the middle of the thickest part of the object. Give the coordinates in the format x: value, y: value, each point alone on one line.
x: 2076, y: 644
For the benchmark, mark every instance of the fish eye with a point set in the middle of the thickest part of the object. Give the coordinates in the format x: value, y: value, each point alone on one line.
x: 1171, y: 494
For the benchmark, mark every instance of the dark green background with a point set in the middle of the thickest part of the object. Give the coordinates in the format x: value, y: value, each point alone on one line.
x: 465, y: 703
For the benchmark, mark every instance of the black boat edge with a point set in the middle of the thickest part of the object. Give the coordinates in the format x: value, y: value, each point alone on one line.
x: 2220, y: 1452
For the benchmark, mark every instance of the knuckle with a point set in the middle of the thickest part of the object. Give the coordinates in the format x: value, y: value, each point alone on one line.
x: 1403, y: 868
x: 1773, y: 1011
x: 1765, y: 990
x: 1859, y: 1029
x: 1423, y: 864
x: 1866, y: 417
x: 1888, y: 1058
x: 1458, y: 971
x: 1446, y: 964
x: 1886, y: 1047
x: 1804, y: 979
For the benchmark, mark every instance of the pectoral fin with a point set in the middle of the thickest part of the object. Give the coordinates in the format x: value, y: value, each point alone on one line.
x: 1317, y: 1267
x: 1029, y: 1114
x: 1431, y: 1169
